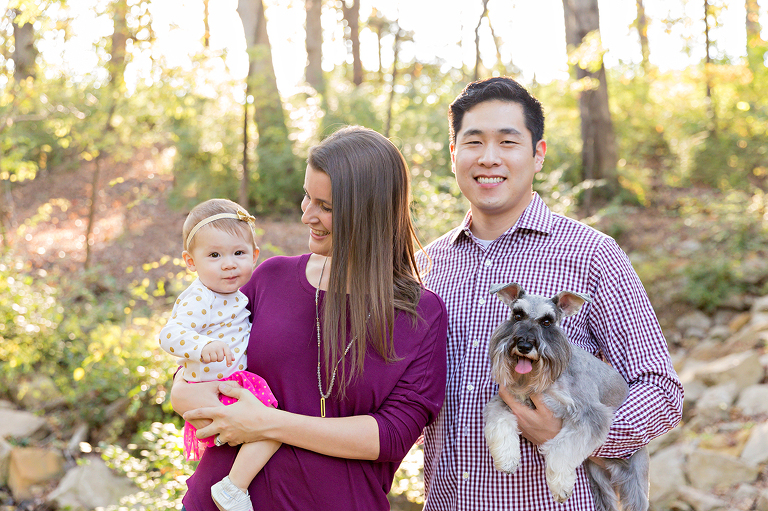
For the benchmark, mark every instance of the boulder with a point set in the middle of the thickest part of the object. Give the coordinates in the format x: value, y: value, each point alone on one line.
x: 37, y: 392
x: 31, y: 468
x: 20, y: 424
x: 701, y: 500
x: 667, y: 475
x: 753, y: 400
x: 761, y: 504
x: 90, y: 485
x: 743, y: 369
x: 756, y: 450
x: 714, y: 470
x: 5, y: 461
x: 715, y: 402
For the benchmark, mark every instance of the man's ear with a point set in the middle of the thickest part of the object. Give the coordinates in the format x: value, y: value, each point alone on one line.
x: 541, y: 152
x: 189, y: 261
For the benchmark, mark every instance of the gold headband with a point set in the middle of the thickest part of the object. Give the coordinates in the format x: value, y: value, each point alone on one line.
x: 241, y: 215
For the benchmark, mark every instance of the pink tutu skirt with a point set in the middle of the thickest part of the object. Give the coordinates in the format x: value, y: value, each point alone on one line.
x: 193, y: 446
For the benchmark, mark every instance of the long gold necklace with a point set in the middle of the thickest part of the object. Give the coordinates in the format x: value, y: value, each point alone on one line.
x: 325, y: 395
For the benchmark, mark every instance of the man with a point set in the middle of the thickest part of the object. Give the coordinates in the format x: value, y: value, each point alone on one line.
x: 509, y: 235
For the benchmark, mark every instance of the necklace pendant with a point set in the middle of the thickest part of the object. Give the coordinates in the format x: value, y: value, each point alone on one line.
x: 322, y: 406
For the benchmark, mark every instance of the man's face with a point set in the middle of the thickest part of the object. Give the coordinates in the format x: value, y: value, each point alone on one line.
x: 494, y: 161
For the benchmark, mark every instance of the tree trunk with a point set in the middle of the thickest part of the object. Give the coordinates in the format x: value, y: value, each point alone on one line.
x: 275, y: 176
x: 598, y: 152
x: 352, y: 15
x: 24, y: 52
x: 116, y: 65
x: 642, y: 30
x: 388, y: 123
x: 477, y: 40
x: 207, y: 33
x: 314, y: 70
x: 755, y: 44
x: 711, y: 113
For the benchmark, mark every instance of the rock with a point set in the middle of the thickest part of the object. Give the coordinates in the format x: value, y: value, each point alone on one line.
x: 742, y: 368
x: 32, y: 467
x: 713, y: 470
x: 694, y: 324
x: 5, y: 461
x: 36, y: 393
x: 739, y: 321
x: 761, y: 504
x: 702, y: 501
x: 667, y: 475
x: 753, y: 400
x: 747, y: 338
x: 90, y: 485
x: 715, y: 403
x: 759, y: 311
x: 756, y: 450
x: 20, y: 424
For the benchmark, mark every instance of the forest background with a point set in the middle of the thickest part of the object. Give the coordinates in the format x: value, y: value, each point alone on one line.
x: 117, y: 116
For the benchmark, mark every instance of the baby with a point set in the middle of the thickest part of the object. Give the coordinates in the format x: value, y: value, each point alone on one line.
x: 209, y: 330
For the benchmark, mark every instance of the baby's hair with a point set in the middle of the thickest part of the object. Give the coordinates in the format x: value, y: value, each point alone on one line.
x: 212, y: 207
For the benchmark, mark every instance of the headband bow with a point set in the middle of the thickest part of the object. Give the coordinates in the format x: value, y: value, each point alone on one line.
x: 241, y: 215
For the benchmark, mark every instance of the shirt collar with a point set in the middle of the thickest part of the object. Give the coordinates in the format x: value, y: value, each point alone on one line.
x: 536, y: 217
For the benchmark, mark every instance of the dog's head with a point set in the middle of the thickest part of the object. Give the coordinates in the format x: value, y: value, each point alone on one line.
x: 529, y: 350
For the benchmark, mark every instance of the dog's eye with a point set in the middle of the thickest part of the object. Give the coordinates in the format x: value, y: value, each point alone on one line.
x: 518, y: 316
x: 545, y: 322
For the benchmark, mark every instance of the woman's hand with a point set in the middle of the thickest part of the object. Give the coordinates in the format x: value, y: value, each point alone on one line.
x: 188, y: 396
x: 235, y: 424
x: 536, y: 425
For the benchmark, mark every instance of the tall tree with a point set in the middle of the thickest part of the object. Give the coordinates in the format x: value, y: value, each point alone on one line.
x: 598, y: 152
x: 207, y: 31
x: 642, y: 30
x: 24, y: 52
x: 120, y: 36
x: 711, y: 112
x: 314, y: 41
x: 756, y: 46
x: 276, y: 179
x: 351, y: 13
x: 381, y: 26
x: 477, y: 40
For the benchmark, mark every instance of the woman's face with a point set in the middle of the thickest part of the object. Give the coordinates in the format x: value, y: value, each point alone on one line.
x: 317, y: 210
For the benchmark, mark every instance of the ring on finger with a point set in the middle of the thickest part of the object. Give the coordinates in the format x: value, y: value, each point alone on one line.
x: 218, y: 441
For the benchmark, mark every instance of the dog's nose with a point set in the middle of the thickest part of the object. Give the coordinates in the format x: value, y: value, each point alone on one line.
x: 524, y: 347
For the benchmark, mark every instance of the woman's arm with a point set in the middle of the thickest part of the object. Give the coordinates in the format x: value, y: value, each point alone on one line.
x: 188, y: 396
x: 249, y: 420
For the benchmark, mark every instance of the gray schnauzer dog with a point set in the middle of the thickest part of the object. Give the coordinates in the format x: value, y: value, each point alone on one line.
x: 530, y: 354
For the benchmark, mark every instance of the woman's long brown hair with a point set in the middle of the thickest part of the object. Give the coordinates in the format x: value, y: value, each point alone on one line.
x: 373, y: 248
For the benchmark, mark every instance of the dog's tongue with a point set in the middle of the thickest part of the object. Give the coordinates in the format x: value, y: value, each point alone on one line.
x: 523, y: 365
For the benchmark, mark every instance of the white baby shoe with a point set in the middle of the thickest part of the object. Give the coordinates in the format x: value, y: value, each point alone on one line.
x: 229, y: 497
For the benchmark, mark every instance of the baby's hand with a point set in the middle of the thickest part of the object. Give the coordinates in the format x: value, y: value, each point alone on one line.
x: 216, y: 351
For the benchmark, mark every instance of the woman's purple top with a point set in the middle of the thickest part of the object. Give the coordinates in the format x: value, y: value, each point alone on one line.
x: 403, y: 396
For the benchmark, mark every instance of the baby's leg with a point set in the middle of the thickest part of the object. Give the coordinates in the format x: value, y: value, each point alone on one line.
x: 250, y: 460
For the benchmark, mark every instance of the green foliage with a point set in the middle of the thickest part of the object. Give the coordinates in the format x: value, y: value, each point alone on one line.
x: 93, y: 353
x: 155, y: 463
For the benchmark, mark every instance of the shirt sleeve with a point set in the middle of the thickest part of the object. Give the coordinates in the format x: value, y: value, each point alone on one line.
x: 419, y: 394
x: 624, y: 325
x: 182, y: 336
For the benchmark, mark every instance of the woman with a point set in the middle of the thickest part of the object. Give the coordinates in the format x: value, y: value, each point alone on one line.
x: 351, y: 344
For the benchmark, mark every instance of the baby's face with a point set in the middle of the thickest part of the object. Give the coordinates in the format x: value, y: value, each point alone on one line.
x: 223, y: 262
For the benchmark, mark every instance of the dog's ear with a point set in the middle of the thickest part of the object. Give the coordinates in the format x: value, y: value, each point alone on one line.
x: 507, y: 293
x: 570, y: 302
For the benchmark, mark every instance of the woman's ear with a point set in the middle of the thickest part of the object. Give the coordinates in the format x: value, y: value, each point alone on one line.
x: 189, y: 261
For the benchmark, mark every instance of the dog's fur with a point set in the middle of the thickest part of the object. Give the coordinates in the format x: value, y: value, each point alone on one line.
x: 530, y: 354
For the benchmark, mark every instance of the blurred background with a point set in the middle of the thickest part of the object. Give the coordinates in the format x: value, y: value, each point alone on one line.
x: 118, y: 116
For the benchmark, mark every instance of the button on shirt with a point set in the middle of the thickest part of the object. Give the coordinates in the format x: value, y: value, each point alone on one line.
x: 546, y: 253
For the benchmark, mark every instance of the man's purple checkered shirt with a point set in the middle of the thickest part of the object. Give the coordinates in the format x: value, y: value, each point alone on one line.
x: 545, y: 253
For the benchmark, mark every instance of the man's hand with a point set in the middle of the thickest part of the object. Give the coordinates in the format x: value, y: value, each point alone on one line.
x: 536, y: 425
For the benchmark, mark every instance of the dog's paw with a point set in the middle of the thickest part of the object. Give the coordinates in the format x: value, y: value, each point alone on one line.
x: 561, y: 484
x: 506, y: 464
